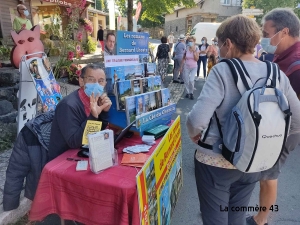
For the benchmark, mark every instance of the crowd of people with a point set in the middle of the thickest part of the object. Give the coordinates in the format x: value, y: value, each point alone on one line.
x: 219, y: 182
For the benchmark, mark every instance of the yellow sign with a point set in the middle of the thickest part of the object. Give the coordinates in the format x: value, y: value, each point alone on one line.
x: 160, y: 180
x: 90, y: 127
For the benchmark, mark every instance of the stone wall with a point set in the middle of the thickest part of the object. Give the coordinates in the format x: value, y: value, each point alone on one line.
x: 180, y: 24
x: 9, y: 85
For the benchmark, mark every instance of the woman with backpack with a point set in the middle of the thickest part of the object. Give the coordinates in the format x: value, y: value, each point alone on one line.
x: 189, y: 66
x: 225, y: 174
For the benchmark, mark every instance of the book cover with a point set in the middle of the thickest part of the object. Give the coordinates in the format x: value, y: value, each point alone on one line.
x: 136, y: 160
x: 158, y: 99
x: 144, y: 58
x: 137, y: 86
x: 152, y: 100
x: 151, y: 69
x: 113, y: 74
x: 123, y: 90
x: 165, y: 97
x: 129, y: 71
x: 147, y: 103
x: 139, y: 70
x: 148, y: 84
x: 130, y: 109
x: 140, y: 104
x: 157, y: 82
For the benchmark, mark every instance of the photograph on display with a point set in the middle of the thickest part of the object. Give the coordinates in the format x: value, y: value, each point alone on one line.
x: 123, y: 90
x: 151, y: 69
x: 157, y: 82
x: 165, y: 206
x: 137, y: 86
x: 47, y: 87
x: 130, y: 106
x: 113, y: 74
x: 165, y: 97
x: 140, y: 104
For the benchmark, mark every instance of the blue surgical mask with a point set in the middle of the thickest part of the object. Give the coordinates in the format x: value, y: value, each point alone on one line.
x: 26, y: 13
x: 203, y: 42
x: 191, y: 44
x: 266, y: 44
x: 95, y: 88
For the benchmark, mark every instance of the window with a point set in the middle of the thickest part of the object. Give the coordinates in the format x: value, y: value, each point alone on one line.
x: 177, y: 13
x: 176, y: 28
x: 225, y: 2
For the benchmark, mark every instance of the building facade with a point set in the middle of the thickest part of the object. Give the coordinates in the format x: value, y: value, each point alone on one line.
x: 183, y: 19
x: 42, y: 11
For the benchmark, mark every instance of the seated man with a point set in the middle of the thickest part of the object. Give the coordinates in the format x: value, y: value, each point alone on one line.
x: 72, y: 113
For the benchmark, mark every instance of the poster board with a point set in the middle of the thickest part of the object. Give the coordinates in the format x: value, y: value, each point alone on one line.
x: 43, y: 78
x: 27, y: 97
x: 36, y: 80
x: 132, y: 43
x: 160, y: 180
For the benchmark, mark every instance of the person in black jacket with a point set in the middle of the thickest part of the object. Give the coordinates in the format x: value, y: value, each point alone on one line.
x: 73, y: 111
x: 202, y: 57
x: 28, y: 158
x: 100, y: 34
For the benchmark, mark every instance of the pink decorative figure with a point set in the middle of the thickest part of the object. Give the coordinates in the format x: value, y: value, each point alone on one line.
x: 26, y: 42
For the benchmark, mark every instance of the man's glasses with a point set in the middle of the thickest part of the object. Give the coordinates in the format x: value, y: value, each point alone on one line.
x: 93, y: 80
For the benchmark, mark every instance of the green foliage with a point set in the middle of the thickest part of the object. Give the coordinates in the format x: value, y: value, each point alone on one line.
x: 91, y: 45
x: 101, y: 5
x: 267, y: 6
x: 156, y: 8
x: 122, y: 6
x: 5, y: 49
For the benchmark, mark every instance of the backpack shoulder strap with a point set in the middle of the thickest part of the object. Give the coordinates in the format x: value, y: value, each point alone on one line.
x: 273, y: 74
x: 292, y: 68
x: 240, y: 74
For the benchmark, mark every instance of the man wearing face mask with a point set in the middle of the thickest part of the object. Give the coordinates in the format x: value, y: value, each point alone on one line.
x: 89, y: 102
x: 281, y: 38
x: 21, y: 22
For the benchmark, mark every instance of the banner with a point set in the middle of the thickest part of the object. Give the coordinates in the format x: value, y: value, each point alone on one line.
x: 138, y: 11
x: 132, y: 43
x: 117, y: 60
x: 160, y: 180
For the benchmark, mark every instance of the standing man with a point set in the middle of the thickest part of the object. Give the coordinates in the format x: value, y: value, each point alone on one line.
x: 21, y: 22
x: 100, y: 37
x: 280, y: 37
x: 171, y: 40
x: 110, y: 44
x: 179, y: 51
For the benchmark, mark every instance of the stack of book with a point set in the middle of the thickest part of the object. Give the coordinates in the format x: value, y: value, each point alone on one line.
x: 135, y: 160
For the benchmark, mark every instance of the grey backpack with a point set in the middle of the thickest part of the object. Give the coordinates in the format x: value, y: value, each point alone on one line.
x: 255, y: 132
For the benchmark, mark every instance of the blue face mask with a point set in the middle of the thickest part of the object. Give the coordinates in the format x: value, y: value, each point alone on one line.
x: 26, y: 13
x: 191, y: 44
x: 203, y: 42
x: 266, y: 44
x: 95, y: 88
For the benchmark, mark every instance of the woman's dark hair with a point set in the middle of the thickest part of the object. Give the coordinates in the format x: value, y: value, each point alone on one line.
x: 164, y: 39
x: 212, y: 57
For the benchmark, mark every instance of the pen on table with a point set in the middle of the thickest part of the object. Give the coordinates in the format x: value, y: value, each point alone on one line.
x: 72, y: 159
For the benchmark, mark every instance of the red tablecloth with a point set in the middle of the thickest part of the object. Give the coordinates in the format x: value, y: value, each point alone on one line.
x: 109, y: 197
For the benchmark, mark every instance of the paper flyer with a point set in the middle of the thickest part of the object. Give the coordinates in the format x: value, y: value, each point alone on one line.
x: 91, y: 127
